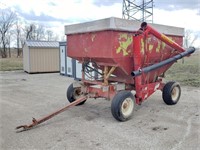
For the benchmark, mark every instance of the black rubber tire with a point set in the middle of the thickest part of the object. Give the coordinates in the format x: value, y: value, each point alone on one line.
x: 116, y: 105
x: 70, y: 94
x: 168, y: 93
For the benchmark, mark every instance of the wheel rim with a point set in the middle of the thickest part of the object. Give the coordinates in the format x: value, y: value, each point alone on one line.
x: 175, y: 93
x: 77, y: 93
x: 127, y: 107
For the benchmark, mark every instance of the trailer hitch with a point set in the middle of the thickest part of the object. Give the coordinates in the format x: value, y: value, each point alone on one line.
x: 39, y: 121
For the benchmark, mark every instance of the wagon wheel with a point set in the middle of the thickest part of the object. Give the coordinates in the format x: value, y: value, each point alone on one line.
x: 171, y: 93
x: 123, y: 105
x: 73, y: 94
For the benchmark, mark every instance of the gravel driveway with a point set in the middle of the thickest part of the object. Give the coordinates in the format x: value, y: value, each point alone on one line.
x: 91, y: 126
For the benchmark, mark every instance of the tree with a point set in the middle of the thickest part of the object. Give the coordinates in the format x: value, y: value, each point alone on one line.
x: 28, y: 31
x: 35, y: 32
x: 18, y: 34
x: 7, y: 20
x: 49, y: 35
x: 190, y: 38
x: 40, y: 32
x: 8, y: 41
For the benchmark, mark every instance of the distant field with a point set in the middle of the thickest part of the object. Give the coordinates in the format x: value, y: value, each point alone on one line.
x: 186, y: 71
x: 8, y: 64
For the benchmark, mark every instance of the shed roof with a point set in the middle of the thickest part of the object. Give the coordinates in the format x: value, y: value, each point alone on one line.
x: 42, y: 44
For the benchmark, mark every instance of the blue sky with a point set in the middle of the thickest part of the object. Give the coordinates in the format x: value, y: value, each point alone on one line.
x: 57, y: 13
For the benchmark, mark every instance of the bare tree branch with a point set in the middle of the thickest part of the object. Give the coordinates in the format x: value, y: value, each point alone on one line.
x: 190, y: 38
x: 7, y: 20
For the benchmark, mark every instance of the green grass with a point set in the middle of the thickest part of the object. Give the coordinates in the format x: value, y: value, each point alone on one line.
x: 186, y: 71
x: 9, y: 64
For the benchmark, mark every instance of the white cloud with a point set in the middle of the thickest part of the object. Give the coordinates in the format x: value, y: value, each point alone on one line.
x: 66, y: 9
x: 74, y: 11
x: 185, y: 18
x: 84, y: 9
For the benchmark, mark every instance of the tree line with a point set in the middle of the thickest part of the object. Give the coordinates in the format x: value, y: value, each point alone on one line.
x: 14, y: 32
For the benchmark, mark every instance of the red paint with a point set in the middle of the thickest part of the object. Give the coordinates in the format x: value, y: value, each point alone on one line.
x: 145, y: 49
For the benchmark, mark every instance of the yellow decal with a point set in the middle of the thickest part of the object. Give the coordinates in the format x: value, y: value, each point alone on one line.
x: 142, y: 45
x: 158, y: 48
x: 93, y: 37
x: 150, y: 47
x: 166, y: 38
x: 163, y: 46
x: 124, y: 41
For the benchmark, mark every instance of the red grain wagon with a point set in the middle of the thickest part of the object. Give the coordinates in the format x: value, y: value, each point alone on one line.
x: 118, y: 59
x: 124, y: 60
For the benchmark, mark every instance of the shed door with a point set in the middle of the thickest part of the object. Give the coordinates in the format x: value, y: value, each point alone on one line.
x: 62, y: 59
x: 78, y: 70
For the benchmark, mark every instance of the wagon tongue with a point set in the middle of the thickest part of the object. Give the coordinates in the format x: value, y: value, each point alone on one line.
x: 39, y: 121
x: 27, y: 127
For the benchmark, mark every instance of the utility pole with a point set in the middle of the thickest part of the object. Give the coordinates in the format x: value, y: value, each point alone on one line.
x: 140, y: 10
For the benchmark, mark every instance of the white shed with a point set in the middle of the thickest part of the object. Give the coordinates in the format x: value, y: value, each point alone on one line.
x: 41, y: 56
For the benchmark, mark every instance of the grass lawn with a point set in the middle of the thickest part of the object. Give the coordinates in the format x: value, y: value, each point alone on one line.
x: 8, y: 64
x: 186, y: 71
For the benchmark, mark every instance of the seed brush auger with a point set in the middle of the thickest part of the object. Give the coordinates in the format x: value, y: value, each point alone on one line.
x: 120, y: 62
